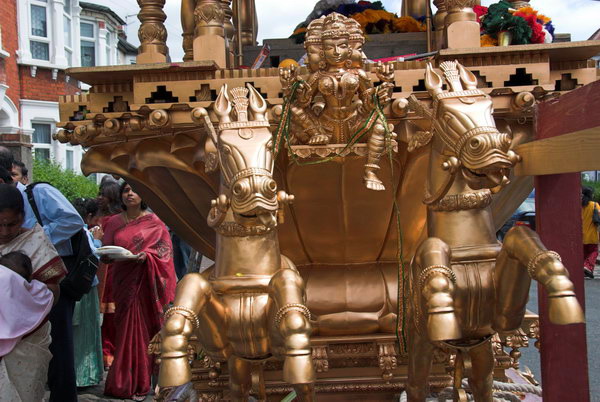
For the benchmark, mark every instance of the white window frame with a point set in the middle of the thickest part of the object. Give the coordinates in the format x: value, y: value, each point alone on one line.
x: 108, y: 49
x: 69, y: 49
x: 48, y: 38
x: 44, y: 145
x: 87, y: 39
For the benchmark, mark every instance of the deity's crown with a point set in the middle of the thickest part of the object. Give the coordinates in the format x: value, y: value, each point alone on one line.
x: 334, y: 26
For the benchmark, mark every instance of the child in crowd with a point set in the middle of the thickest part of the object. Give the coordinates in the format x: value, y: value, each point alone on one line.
x: 18, y: 263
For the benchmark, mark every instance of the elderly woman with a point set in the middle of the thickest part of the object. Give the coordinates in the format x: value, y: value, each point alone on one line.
x: 141, y: 289
x: 24, y: 335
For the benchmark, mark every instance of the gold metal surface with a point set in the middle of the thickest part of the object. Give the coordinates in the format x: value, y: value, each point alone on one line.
x: 252, y: 305
x: 465, y: 286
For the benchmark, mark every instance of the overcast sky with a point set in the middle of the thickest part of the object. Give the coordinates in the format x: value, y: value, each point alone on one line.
x: 277, y: 18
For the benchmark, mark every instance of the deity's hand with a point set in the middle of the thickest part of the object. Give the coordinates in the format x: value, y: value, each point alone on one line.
x: 288, y: 76
x: 182, y: 393
x: 384, y: 94
x: 385, y: 72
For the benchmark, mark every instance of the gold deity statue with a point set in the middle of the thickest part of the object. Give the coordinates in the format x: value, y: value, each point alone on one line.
x: 338, y: 96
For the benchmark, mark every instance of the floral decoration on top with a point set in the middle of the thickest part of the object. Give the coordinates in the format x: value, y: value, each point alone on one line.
x: 503, y: 25
x: 372, y: 17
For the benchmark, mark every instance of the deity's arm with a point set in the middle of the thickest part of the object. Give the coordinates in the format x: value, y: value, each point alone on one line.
x: 306, y: 91
x: 366, y: 90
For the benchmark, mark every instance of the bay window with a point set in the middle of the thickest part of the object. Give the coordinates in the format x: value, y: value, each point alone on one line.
x: 39, y: 42
x: 88, y: 44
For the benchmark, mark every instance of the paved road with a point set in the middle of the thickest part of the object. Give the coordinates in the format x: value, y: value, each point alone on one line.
x: 531, y: 356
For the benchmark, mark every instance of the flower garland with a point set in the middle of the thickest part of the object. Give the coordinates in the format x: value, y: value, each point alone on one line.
x: 526, y: 25
x: 372, y: 17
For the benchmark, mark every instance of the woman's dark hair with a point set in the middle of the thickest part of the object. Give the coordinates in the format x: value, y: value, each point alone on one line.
x: 587, y: 194
x: 110, y: 190
x: 86, y: 206
x: 91, y: 207
x: 5, y: 176
x: 11, y: 198
x: 143, y: 205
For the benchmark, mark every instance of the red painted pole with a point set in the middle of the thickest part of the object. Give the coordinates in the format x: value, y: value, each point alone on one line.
x: 558, y: 222
x: 563, y: 347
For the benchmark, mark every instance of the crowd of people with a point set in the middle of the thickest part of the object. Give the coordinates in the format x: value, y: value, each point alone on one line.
x: 50, y: 339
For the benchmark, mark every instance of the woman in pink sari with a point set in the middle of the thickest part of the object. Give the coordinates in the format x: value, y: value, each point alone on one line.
x: 141, y: 289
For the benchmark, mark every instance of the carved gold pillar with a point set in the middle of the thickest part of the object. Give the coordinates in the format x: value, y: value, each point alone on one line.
x: 209, y: 34
x: 152, y: 33
x: 249, y: 22
x: 188, y: 25
x: 229, y: 32
x: 414, y: 8
x: 462, y: 28
x: 439, y: 22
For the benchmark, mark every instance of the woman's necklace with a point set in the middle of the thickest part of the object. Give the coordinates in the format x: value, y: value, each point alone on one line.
x: 128, y: 219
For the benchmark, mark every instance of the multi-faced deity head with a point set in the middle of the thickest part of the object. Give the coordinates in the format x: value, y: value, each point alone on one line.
x: 334, y: 41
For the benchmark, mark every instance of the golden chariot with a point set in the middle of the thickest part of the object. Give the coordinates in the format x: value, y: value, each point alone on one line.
x: 350, y: 208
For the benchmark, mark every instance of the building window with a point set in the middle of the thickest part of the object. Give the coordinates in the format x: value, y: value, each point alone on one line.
x: 42, y: 133
x: 108, y: 49
x: 39, y: 44
x: 88, y: 47
x: 41, y: 154
x: 69, y: 159
x: 68, y: 31
x: 87, y: 30
x: 42, y: 138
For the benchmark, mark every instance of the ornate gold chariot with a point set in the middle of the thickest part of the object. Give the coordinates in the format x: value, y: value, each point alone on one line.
x: 163, y: 127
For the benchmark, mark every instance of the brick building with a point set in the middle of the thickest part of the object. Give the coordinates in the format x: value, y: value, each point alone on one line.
x: 39, y: 40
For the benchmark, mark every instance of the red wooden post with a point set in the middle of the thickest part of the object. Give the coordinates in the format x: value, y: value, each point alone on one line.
x: 558, y: 208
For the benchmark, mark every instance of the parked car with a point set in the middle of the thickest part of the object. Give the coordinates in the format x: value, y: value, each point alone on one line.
x: 523, y: 216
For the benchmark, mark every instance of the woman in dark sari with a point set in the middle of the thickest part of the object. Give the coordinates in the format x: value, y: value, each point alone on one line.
x: 141, y: 289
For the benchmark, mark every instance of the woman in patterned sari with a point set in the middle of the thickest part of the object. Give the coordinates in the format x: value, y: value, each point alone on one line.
x: 141, y: 289
x: 24, y: 369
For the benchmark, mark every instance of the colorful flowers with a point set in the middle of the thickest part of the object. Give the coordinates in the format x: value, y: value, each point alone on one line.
x: 372, y: 17
x: 526, y: 25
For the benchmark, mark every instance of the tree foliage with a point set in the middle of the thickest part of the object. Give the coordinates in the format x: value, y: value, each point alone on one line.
x: 69, y: 183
